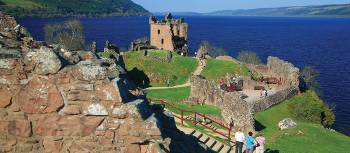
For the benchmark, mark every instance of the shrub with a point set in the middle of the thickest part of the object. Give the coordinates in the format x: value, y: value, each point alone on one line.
x: 311, y: 108
x: 211, y: 50
x: 308, y: 79
x: 248, y: 57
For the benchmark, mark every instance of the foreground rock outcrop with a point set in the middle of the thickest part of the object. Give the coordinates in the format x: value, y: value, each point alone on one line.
x: 55, y: 100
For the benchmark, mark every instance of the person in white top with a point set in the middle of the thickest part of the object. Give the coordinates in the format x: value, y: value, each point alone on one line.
x: 239, y: 137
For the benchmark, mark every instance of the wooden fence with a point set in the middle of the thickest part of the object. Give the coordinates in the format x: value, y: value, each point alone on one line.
x: 196, y: 115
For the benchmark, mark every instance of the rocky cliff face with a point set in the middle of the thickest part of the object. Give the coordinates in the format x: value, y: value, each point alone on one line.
x: 53, y: 100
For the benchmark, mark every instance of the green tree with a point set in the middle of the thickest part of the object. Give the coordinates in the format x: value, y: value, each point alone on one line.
x: 69, y: 33
x: 208, y: 49
x: 308, y: 79
x: 248, y: 57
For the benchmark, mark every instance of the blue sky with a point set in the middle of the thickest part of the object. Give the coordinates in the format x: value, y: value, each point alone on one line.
x: 213, y: 5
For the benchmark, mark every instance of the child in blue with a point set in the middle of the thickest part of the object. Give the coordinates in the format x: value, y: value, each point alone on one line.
x: 249, y: 142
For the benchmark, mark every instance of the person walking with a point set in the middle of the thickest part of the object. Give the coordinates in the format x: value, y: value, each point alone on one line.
x: 259, y: 143
x: 249, y: 142
x: 239, y: 137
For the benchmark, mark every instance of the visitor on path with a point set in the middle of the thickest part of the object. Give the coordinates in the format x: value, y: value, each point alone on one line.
x: 168, y: 83
x: 249, y: 142
x: 259, y: 143
x: 265, y: 93
x: 239, y: 137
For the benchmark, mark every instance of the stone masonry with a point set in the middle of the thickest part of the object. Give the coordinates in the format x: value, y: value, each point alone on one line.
x: 169, y: 34
x: 52, y: 100
x: 58, y: 101
x: 285, y: 72
x: 233, y: 107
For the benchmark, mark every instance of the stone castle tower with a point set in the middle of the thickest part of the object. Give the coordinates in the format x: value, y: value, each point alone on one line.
x: 169, y: 34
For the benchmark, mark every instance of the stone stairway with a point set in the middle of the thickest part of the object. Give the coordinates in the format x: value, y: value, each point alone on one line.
x: 208, y: 141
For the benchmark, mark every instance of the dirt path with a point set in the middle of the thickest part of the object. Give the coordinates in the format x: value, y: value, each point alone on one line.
x: 198, y: 71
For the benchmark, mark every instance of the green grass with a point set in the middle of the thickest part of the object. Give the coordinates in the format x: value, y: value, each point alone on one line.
x: 315, y: 139
x: 158, y: 72
x: 216, y: 69
x: 203, y: 109
x: 173, y: 95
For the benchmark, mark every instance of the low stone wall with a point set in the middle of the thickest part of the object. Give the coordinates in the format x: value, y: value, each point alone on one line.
x: 274, y: 99
x: 234, y: 109
x: 250, y: 84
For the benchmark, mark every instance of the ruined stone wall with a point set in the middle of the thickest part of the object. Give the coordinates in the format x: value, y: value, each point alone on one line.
x: 53, y: 100
x: 249, y: 84
x: 7, y: 22
x: 284, y: 71
x: 274, y: 99
x: 75, y: 109
x: 262, y: 69
x: 233, y: 107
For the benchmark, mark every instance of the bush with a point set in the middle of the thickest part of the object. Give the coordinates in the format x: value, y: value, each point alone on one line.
x: 308, y: 79
x: 211, y: 50
x: 311, y: 108
x: 248, y: 57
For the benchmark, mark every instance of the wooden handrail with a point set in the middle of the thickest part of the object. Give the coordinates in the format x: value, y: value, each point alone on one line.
x: 228, y: 136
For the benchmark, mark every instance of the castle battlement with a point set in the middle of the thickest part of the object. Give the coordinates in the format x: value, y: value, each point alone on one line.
x: 169, y: 34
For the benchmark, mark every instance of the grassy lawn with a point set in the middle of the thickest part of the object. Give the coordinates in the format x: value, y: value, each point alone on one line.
x: 315, y: 139
x: 178, y: 94
x: 158, y: 71
x: 216, y: 69
x: 170, y: 95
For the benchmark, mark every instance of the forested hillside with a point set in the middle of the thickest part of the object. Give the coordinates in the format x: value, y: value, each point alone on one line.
x: 47, y: 8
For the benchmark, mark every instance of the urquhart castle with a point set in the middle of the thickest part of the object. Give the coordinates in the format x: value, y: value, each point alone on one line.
x: 169, y: 34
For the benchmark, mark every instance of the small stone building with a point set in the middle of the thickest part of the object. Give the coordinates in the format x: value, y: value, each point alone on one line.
x: 169, y: 34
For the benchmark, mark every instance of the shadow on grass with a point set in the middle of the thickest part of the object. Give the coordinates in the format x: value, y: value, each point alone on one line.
x: 139, y: 77
x: 180, y: 142
x: 268, y: 150
x: 258, y: 126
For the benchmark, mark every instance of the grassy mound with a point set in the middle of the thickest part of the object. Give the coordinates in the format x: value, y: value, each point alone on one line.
x: 173, y: 95
x: 216, y: 69
x: 156, y: 70
x: 306, y: 137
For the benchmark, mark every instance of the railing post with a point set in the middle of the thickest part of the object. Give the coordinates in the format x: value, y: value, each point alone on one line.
x: 204, y: 120
x: 182, y: 118
x: 229, y: 131
x: 195, y: 118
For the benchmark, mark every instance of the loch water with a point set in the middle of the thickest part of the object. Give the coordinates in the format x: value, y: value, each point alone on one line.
x: 320, y: 42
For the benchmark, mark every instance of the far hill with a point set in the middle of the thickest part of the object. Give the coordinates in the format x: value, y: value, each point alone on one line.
x: 342, y: 10
x: 47, y: 8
